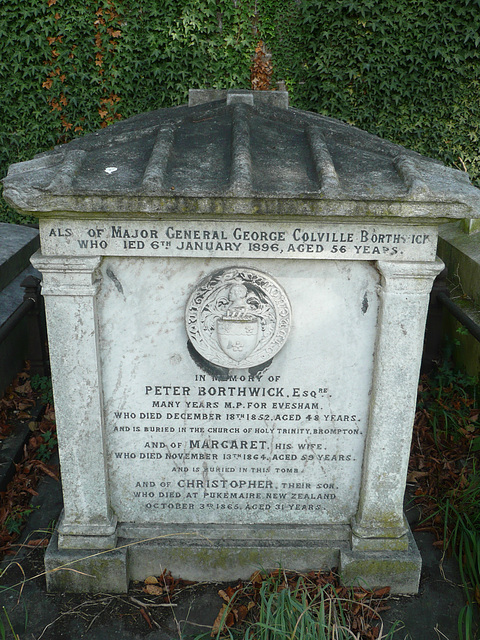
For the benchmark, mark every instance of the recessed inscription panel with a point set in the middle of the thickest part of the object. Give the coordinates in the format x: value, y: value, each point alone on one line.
x: 253, y: 443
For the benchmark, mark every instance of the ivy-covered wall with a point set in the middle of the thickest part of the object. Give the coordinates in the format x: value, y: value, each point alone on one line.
x: 406, y: 70
x: 69, y: 67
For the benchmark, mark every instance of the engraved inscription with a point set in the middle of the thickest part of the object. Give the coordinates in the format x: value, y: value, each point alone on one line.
x: 238, y: 318
x: 240, y: 239
x: 254, y: 447
x: 188, y: 444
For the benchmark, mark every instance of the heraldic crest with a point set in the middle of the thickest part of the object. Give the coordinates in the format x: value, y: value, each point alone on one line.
x: 238, y: 317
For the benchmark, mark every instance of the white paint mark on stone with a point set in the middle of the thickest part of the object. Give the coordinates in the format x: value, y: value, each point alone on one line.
x: 110, y: 170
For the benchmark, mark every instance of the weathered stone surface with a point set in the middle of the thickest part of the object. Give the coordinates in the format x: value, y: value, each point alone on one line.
x: 403, y: 308
x: 274, y: 98
x: 91, y: 571
x: 70, y: 287
x: 239, y: 239
x: 371, y: 569
x: 220, y: 561
x: 236, y: 295
x: 17, y: 243
x: 243, y: 440
x: 230, y: 158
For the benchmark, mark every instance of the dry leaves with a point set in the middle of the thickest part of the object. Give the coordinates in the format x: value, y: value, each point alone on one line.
x: 441, y: 458
x: 261, y: 69
x: 41, y: 542
x: 360, y: 607
x: 15, y: 500
x: 153, y: 590
x: 164, y: 586
x: 14, y: 405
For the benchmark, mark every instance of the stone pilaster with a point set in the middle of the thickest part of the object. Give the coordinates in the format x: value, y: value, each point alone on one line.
x: 70, y: 285
x: 405, y: 287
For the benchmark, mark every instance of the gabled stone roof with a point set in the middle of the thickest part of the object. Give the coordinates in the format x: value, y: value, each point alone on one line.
x: 232, y: 152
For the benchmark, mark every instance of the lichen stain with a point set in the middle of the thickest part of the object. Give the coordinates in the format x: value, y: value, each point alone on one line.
x: 115, y: 280
x: 365, y: 303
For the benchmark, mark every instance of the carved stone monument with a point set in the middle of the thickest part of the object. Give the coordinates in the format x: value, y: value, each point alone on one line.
x: 238, y: 318
x: 236, y: 295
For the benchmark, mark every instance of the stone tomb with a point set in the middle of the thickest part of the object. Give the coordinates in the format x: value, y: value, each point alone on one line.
x: 236, y: 297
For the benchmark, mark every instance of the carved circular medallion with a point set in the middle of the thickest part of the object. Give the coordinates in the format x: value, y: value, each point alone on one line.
x: 238, y: 317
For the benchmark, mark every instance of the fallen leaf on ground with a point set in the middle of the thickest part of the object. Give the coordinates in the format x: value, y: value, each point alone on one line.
x: 41, y: 542
x: 146, y: 617
x: 223, y: 619
x: 153, y: 589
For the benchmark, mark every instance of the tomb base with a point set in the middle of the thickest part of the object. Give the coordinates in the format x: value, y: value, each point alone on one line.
x: 228, y: 553
x: 398, y: 569
x: 86, y: 570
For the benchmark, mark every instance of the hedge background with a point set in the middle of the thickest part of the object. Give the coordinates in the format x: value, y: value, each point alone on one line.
x: 407, y: 70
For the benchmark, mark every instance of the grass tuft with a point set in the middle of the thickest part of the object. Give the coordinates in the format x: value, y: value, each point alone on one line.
x: 291, y: 606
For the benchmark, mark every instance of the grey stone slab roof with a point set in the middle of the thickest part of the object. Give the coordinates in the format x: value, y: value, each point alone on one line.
x: 233, y: 152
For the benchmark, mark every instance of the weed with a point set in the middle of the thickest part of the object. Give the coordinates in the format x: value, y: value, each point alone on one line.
x: 16, y: 519
x: 461, y: 331
x: 448, y: 398
x: 47, y: 448
x: 43, y: 384
x: 286, y: 606
x: 3, y: 629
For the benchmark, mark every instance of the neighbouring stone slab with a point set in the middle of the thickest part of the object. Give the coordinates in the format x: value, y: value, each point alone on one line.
x: 17, y: 243
x: 461, y: 253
